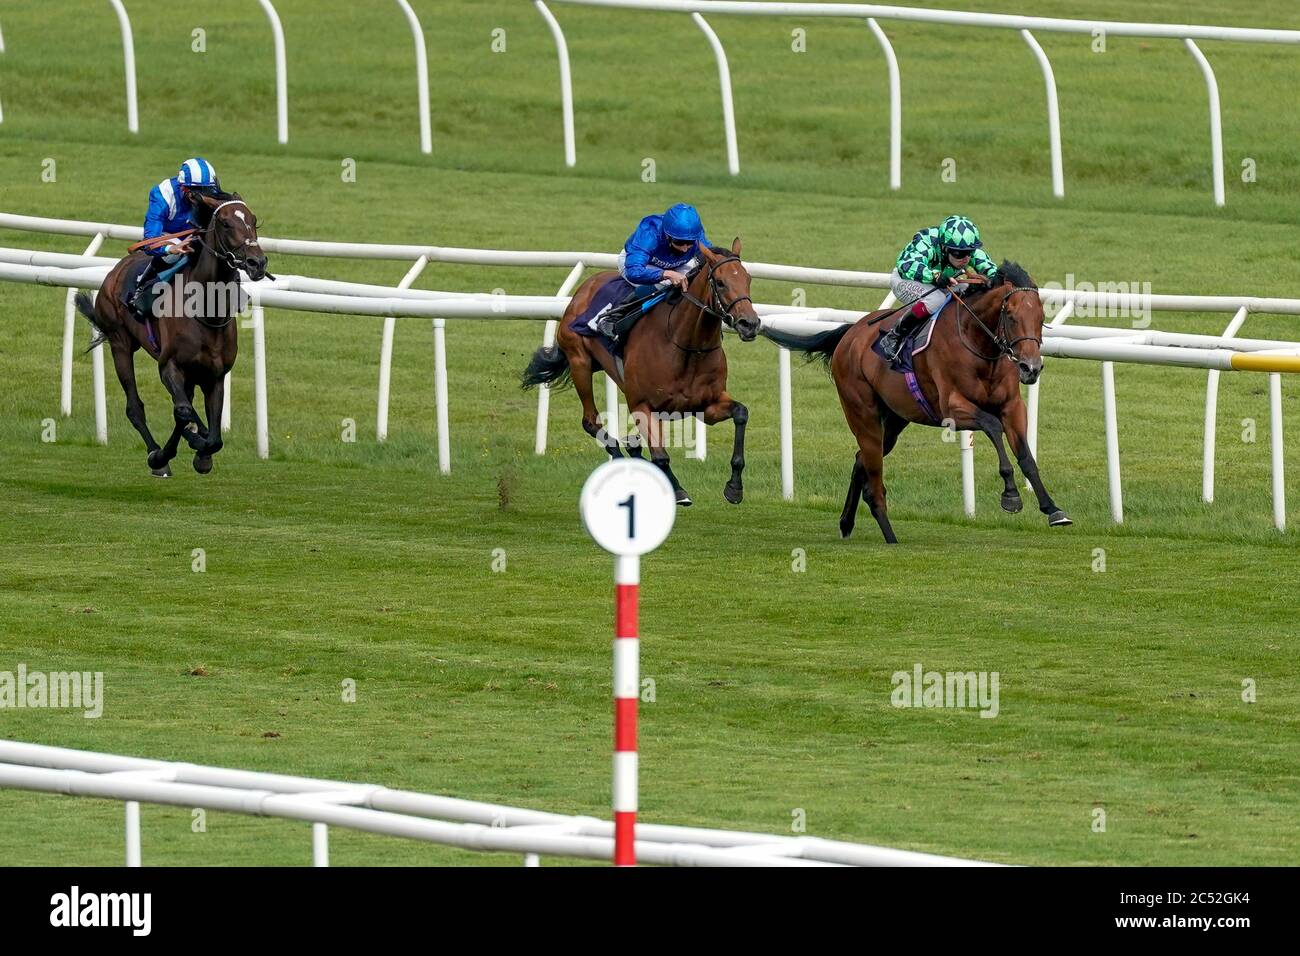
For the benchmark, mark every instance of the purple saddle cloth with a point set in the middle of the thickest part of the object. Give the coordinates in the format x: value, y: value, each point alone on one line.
x: 915, y: 343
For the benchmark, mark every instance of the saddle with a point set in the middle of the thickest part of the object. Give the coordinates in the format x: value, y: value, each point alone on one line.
x: 914, y: 343
x: 140, y: 301
x: 608, y: 307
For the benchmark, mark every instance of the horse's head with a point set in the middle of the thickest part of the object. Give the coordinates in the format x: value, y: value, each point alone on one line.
x: 1019, y: 319
x: 232, y: 235
x: 728, y: 290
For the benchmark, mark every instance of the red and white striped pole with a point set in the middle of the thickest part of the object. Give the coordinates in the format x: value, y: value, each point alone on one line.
x: 627, y: 687
x: 628, y: 507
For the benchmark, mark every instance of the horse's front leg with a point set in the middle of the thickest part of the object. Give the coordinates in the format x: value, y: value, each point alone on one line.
x: 182, y: 393
x: 161, y: 458
x: 1014, y: 420
x: 727, y: 407
x: 966, y: 415
x: 652, y: 433
x: 213, y: 397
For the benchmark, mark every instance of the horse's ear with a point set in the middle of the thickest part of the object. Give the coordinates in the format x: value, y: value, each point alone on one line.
x: 208, y: 201
x: 735, y: 245
x: 237, y: 196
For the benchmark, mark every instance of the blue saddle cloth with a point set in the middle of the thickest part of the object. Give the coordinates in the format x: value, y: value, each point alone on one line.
x: 610, y: 294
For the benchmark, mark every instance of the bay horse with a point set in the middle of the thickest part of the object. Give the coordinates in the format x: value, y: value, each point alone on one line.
x: 983, y: 347
x: 673, y: 361
x: 197, y: 335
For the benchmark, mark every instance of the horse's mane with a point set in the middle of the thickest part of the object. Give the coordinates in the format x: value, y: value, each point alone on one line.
x: 1009, y: 271
x: 203, y: 212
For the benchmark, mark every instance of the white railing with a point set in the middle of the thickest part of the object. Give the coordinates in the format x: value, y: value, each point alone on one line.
x: 874, y: 12
x: 2, y: 49
x: 447, y: 821
x: 1107, y: 345
x: 281, y: 70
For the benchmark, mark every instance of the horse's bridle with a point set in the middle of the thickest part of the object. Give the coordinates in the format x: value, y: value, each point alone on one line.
x: 219, y: 249
x: 715, y: 306
x: 1005, y: 346
x: 222, y: 253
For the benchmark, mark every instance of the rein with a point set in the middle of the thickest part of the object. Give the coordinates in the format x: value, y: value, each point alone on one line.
x: 1005, y: 347
x: 714, y: 307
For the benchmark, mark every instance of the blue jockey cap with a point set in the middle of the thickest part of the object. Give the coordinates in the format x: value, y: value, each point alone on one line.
x: 197, y: 173
x: 683, y: 222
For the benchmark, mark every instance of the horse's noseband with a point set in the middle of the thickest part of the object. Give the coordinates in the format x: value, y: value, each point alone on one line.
x: 218, y: 248
x: 1004, y: 345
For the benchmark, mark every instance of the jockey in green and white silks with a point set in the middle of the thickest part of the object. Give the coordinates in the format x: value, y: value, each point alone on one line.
x: 926, y: 270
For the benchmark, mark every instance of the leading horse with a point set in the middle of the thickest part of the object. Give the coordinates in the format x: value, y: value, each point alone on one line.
x: 195, y: 343
x: 673, y: 362
x: 983, y: 347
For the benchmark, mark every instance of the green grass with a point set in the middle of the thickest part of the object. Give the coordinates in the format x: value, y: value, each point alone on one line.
x: 341, y: 560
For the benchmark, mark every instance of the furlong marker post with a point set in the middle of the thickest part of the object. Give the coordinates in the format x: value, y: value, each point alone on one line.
x: 628, y: 507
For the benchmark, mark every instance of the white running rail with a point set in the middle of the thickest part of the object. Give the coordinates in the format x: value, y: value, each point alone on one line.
x: 443, y: 820
x: 874, y: 12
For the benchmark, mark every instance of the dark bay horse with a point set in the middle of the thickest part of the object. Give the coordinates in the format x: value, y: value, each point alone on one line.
x: 196, y: 340
x: 982, y: 348
x: 673, y: 362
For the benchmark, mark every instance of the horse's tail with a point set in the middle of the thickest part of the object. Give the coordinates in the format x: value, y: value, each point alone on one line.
x: 87, y: 308
x: 811, y: 344
x: 549, y: 366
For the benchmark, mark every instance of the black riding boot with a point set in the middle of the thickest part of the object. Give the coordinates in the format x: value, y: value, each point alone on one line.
x: 610, y: 322
x: 142, y: 298
x: 892, y: 341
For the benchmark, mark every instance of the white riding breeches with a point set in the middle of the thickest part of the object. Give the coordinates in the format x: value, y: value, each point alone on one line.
x: 907, y: 291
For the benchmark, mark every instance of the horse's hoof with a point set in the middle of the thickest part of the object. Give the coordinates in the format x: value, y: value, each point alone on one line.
x: 164, y: 472
x: 846, y: 528
x: 683, y: 498
x: 1058, y: 519
x: 203, y: 464
x: 155, y: 460
x: 733, y: 493
x: 1012, y: 504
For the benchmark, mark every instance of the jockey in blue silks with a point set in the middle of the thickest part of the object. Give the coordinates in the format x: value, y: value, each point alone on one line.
x: 659, y: 254
x: 172, y: 205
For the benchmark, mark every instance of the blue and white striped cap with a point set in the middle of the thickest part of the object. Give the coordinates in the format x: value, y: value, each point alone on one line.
x: 197, y: 172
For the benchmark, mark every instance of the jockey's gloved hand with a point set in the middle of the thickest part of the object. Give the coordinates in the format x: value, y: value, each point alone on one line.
x: 941, y: 281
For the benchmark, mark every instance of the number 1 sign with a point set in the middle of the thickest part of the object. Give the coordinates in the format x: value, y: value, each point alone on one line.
x: 628, y: 507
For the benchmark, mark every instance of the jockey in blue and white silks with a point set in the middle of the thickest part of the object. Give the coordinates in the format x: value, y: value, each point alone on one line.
x: 172, y: 205
x: 661, y: 252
